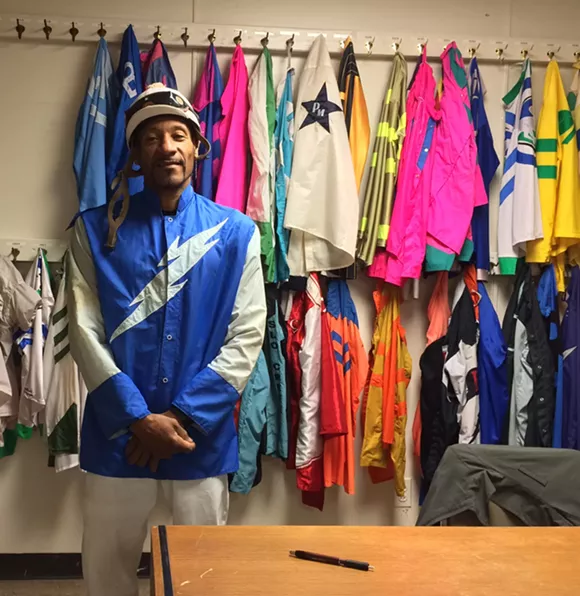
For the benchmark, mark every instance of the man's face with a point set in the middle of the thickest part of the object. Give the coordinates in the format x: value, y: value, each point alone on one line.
x: 166, y: 153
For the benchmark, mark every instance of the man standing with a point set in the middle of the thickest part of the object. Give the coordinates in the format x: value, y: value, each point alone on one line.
x: 167, y: 316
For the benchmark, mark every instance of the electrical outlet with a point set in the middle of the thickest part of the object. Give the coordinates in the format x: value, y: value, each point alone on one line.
x: 405, y: 501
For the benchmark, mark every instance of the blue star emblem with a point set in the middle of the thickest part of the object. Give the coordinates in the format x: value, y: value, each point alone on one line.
x: 319, y: 110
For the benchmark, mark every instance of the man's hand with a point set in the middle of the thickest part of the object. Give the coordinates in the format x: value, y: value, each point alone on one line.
x: 137, y: 455
x: 160, y: 436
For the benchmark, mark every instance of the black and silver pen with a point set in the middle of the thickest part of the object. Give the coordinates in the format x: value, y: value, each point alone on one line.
x: 306, y: 556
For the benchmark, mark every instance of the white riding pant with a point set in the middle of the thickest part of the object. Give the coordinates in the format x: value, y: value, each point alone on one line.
x: 116, y: 512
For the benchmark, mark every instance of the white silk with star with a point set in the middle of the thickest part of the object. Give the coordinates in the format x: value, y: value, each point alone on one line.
x: 323, y: 208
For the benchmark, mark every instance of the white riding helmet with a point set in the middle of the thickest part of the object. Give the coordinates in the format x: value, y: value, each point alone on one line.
x: 158, y: 100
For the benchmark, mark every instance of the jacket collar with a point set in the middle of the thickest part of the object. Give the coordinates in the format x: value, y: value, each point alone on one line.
x: 154, y: 203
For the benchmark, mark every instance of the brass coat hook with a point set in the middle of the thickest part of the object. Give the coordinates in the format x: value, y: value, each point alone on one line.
x: 473, y: 51
x: 500, y: 52
x: 185, y: 37
x: 73, y: 31
x: 397, y: 44
x: 289, y: 46
x: 47, y: 30
x: 577, y: 55
x: 14, y: 254
x: 20, y: 28
x: 526, y: 52
x: 157, y: 34
x: 369, y: 45
x: 265, y: 40
x: 238, y: 38
x: 552, y: 53
x: 422, y: 45
x: 211, y: 37
x: 102, y: 32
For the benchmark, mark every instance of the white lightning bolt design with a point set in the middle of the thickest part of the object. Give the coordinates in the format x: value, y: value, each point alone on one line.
x: 176, y: 263
x: 567, y: 352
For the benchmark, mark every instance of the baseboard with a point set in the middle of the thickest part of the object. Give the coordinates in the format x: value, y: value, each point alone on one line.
x: 31, y: 566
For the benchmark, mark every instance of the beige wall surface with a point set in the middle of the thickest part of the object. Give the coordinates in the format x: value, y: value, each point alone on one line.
x: 42, y: 88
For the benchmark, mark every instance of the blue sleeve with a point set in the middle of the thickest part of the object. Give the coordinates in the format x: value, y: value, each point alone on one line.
x: 207, y: 401
x: 117, y: 403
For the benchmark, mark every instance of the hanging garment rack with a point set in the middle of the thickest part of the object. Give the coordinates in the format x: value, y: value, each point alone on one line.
x: 59, y: 30
x: 191, y: 36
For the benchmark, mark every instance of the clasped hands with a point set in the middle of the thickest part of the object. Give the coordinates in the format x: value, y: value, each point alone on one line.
x: 157, y: 437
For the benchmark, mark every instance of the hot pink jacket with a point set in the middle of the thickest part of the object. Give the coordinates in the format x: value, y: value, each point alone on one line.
x: 407, y: 235
x: 232, y: 190
x: 456, y: 185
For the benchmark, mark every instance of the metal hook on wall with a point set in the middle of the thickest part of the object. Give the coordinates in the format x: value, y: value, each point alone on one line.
x: 289, y: 47
x: 397, y: 44
x: 500, y: 52
x: 47, y: 30
x: 552, y: 53
x: 526, y: 52
x: 102, y: 32
x: 73, y: 31
x: 369, y: 46
x: 20, y: 28
x: 157, y: 34
x: 211, y: 37
x: 422, y: 45
x: 238, y: 38
x: 185, y: 37
x: 473, y: 50
x: 265, y: 40
x: 14, y: 254
x: 577, y: 55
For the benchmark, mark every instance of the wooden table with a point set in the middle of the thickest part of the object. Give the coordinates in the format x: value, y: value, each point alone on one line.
x: 442, y: 561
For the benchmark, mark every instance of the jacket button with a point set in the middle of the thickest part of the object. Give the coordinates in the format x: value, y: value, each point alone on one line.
x: 165, y: 380
x: 169, y: 337
x: 170, y: 219
x: 541, y: 399
x: 539, y: 368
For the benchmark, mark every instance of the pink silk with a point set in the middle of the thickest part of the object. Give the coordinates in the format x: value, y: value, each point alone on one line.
x: 232, y: 190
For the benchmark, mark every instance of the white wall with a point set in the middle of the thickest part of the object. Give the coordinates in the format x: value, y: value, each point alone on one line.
x: 43, y: 86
